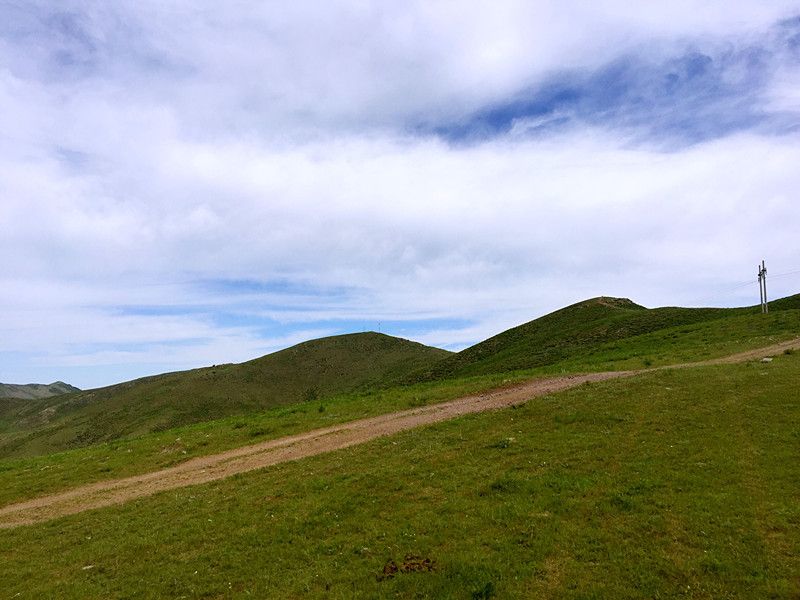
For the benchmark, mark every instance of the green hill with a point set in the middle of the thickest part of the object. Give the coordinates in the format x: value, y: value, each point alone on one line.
x: 579, y: 334
x: 598, y: 334
x: 673, y: 484
x: 35, y: 390
x: 314, y: 369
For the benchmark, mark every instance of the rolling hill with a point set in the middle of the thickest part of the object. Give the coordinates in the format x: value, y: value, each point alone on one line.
x: 667, y: 483
x: 578, y: 334
x: 31, y: 391
x: 598, y: 334
x: 314, y: 369
x: 672, y: 484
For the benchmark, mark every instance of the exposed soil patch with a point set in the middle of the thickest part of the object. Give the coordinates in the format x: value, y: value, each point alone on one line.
x: 256, y: 456
x: 410, y: 564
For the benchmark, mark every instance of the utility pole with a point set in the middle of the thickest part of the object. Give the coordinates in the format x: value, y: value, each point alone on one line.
x: 764, y: 278
x: 760, y: 290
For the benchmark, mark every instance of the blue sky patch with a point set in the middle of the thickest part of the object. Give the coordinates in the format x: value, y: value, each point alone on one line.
x: 692, y: 97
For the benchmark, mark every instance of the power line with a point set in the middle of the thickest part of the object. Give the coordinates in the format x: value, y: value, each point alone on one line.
x: 741, y: 285
x: 724, y: 289
x: 787, y: 274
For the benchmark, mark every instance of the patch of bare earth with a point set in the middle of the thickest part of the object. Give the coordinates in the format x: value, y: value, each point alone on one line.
x: 248, y: 458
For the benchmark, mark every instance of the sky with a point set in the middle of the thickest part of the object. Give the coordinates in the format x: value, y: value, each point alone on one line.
x: 193, y: 183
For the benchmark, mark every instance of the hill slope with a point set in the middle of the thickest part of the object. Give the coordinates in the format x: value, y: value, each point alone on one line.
x: 35, y: 390
x: 674, y: 484
x: 583, y: 328
x: 599, y: 334
x: 313, y: 369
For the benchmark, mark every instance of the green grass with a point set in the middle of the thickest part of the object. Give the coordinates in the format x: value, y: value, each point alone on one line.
x: 688, y: 343
x: 599, y: 334
x: 573, y: 334
x: 674, y: 484
x: 28, y: 477
x: 25, y: 477
x: 313, y: 370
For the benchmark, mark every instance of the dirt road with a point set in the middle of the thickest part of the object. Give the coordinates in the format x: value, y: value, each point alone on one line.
x: 240, y: 460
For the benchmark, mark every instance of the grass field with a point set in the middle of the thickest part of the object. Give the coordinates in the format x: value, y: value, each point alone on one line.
x: 687, y: 343
x: 674, y: 484
x: 27, y: 477
x: 312, y: 370
x: 464, y: 509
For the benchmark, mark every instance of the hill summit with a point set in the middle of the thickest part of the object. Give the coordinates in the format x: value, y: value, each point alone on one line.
x: 314, y: 369
x: 573, y: 331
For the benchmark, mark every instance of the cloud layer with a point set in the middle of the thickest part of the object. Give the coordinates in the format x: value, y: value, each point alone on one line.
x: 192, y: 185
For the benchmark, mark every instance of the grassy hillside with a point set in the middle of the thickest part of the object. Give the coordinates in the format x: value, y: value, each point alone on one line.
x: 311, y: 370
x: 673, y: 484
x: 736, y: 332
x: 35, y: 390
x: 579, y: 335
x: 23, y: 476
x: 26, y: 477
x: 599, y: 334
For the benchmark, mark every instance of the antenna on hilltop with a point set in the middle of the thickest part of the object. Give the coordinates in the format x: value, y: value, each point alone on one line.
x: 762, y: 286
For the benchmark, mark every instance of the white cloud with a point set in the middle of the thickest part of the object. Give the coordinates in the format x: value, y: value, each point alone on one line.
x: 197, y: 144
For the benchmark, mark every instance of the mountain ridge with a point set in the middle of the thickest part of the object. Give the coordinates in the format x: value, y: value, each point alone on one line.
x: 602, y: 333
x: 33, y: 391
x: 311, y: 370
x: 576, y: 328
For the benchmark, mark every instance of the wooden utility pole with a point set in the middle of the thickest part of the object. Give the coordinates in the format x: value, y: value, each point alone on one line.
x: 764, y: 278
x: 760, y: 290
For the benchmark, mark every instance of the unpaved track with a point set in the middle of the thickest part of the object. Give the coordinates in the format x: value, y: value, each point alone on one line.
x: 248, y: 458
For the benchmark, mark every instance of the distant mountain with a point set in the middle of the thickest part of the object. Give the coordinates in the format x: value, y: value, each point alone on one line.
x: 312, y: 370
x: 32, y: 391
